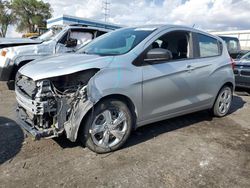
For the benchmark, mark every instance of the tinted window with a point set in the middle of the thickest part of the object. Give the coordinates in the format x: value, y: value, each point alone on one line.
x: 208, y: 46
x: 116, y: 42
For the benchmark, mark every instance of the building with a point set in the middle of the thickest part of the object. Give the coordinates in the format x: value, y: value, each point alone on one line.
x: 67, y: 20
x: 242, y: 35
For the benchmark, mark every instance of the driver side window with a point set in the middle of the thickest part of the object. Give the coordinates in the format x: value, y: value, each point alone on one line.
x: 177, y: 43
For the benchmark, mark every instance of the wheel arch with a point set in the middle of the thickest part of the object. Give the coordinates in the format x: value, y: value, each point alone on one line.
x: 230, y: 84
x: 124, y: 99
x: 16, y: 67
x: 119, y: 97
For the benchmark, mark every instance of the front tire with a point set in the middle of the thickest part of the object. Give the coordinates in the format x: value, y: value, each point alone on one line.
x: 223, y: 102
x: 107, y: 127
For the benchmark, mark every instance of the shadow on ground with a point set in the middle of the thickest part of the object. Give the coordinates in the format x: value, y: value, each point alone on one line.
x: 11, y: 139
x: 155, y: 129
x: 150, y: 131
x: 66, y: 143
x: 237, y: 104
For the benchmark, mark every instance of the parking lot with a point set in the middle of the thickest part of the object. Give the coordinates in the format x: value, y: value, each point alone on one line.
x: 190, y: 151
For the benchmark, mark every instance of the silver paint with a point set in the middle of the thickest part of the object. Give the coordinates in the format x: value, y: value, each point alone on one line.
x: 157, y: 91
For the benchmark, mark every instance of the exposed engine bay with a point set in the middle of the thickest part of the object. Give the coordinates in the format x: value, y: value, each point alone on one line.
x: 49, y: 107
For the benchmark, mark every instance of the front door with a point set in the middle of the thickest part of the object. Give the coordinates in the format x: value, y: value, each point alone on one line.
x: 169, y: 86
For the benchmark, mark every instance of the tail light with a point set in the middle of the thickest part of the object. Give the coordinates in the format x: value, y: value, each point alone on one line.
x: 232, y: 63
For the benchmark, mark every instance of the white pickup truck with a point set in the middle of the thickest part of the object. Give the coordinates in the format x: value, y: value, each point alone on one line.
x: 54, y: 41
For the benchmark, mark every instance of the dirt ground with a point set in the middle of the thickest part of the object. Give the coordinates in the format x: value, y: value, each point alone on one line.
x: 190, y: 151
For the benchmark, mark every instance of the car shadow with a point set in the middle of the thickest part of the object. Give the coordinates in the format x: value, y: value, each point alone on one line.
x: 11, y: 139
x: 148, y: 131
x: 237, y: 104
x: 63, y: 142
x: 152, y: 130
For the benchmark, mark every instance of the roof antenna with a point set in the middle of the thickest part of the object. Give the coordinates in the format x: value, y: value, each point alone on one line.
x: 193, y: 25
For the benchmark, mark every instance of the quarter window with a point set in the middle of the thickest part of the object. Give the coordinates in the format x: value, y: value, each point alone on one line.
x: 208, y: 46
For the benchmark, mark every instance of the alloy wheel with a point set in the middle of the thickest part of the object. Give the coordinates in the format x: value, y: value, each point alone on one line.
x: 109, y: 128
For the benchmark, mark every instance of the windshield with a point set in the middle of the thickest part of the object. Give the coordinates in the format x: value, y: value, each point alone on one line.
x: 50, y: 34
x: 233, y: 44
x: 117, y: 42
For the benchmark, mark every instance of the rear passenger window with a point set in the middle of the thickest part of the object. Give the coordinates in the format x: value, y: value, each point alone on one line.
x: 208, y: 46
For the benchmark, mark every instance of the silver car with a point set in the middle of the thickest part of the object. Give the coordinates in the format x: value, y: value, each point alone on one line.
x: 123, y: 80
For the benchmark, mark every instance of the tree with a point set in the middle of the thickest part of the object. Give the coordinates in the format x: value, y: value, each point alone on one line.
x: 31, y: 14
x: 6, y: 17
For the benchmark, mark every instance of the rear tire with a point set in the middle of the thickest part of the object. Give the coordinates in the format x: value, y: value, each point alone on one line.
x: 223, y: 102
x: 107, y: 127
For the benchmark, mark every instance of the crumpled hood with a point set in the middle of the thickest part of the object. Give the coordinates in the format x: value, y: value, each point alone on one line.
x: 63, y: 64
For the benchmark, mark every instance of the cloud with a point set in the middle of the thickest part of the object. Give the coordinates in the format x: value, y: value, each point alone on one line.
x: 214, y: 15
x: 205, y: 14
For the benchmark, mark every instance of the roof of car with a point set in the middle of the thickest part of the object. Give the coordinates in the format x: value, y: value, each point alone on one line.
x: 167, y: 26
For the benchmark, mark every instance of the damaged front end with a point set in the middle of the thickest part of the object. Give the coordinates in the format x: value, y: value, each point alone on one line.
x: 49, y: 107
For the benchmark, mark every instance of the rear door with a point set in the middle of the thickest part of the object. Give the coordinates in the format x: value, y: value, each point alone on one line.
x: 206, y: 68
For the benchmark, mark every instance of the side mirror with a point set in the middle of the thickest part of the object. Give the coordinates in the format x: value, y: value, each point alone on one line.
x: 158, y: 54
x: 71, y: 43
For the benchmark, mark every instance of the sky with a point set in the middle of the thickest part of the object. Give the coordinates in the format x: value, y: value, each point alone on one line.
x: 216, y: 15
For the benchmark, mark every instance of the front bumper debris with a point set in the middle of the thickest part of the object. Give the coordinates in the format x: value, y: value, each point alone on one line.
x: 26, y: 125
x: 48, y: 114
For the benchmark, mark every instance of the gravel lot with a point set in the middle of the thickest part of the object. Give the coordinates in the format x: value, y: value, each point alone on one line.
x: 190, y: 151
